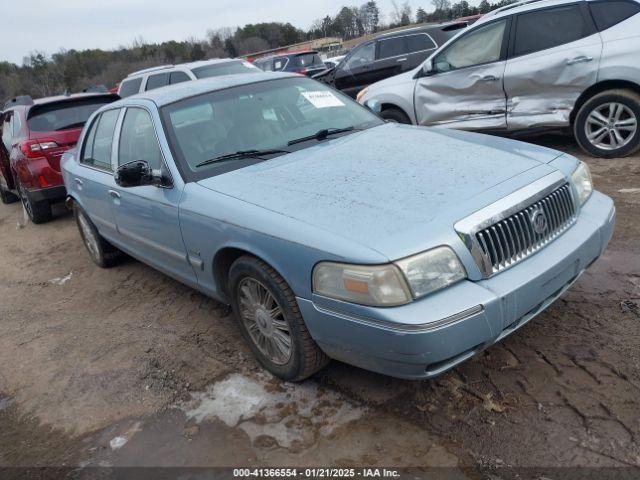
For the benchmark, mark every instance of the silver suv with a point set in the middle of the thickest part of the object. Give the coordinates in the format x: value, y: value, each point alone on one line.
x: 157, y: 77
x: 531, y: 65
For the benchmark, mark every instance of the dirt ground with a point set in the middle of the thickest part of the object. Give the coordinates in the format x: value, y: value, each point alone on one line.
x: 127, y: 367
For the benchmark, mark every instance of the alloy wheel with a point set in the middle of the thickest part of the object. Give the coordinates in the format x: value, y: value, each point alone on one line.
x: 611, y: 126
x: 264, y: 320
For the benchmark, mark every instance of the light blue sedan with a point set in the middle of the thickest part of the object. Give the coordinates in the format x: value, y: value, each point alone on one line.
x: 399, y: 249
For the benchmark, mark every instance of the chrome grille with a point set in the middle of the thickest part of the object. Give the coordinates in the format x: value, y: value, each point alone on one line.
x: 508, y: 241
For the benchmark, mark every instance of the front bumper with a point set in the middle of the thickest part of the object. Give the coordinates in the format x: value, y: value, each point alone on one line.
x: 431, y: 335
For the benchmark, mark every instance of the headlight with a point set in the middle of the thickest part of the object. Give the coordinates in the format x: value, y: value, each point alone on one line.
x: 361, y: 94
x: 432, y: 270
x: 381, y: 285
x: 581, y: 179
x: 389, y: 285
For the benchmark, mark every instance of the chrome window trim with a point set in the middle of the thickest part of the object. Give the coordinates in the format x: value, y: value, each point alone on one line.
x: 468, y: 227
x: 84, y: 141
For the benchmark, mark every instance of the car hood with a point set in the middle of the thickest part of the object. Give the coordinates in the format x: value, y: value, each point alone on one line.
x: 388, y: 187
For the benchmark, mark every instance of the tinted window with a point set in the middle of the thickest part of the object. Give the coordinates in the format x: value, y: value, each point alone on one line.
x: 543, y: 29
x: 307, y: 60
x: 157, y: 81
x: 391, y: 47
x: 279, y: 63
x: 611, y: 12
x: 97, y: 150
x: 178, y: 77
x: 138, y: 139
x: 483, y: 45
x: 227, y: 68
x: 417, y: 43
x: 265, y: 115
x: 64, y: 115
x: 130, y: 87
x: 363, y: 55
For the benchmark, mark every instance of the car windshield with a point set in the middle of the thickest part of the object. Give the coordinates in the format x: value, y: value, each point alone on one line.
x: 227, y: 68
x: 64, y: 115
x: 260, y: 116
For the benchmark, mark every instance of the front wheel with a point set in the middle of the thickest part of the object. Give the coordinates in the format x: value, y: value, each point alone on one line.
x: 607, y: 124
x: 395, y: 115
x: 271, y: 322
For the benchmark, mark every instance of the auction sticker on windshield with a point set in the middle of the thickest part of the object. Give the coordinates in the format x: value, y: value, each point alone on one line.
x: 323, y: 99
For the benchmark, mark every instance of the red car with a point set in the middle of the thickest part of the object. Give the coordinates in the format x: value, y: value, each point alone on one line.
x: 35, y: 134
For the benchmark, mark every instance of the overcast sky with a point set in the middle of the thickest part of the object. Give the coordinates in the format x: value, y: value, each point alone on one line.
x: 48, y: 25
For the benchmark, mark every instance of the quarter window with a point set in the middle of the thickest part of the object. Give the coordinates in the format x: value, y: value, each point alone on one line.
x: 157, y: 81
x: 543, y: 29
x: 98, y: 146
x: 418, y: 43
x: 138, y: 139
x: 392, y: 47
x: 130, y: 87
x: 611, y: 12
x: 178, y: 77
x: 483, y: 45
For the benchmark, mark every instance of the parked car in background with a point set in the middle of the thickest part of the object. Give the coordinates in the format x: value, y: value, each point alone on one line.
x: 333, y: 62
x: 529, y: 66
x: 333, y: 234
x: 387, y: 55
x: 305, y: 63
x: 35, y: 134
x: 157, y: 77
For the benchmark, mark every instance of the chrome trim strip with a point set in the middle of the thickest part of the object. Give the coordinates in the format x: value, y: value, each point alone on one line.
x: 418, y: 328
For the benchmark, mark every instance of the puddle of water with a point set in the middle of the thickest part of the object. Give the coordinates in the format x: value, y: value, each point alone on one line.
x: 266, y: 409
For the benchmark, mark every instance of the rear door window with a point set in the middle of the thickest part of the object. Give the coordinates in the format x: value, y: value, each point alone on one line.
x: 98, y: 146
x: 130, y: 87
x: 178, y: 77
x: 548, y: 28
x: 608, y: 13
x: 391, y: 47
x: 157, y: 81
x: 308, y: 60
x: 66, y: 115
x: 418, y: 43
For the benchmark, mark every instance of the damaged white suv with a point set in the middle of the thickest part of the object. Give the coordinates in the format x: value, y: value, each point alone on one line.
x: 527, y: 66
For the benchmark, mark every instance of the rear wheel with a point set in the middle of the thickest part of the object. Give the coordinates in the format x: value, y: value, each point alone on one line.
x: 38, y: 212
x: 607, y: 124
x: 395, y: 115
x: 101, y: 252
x: 271, y: 322
x: 7, y: 197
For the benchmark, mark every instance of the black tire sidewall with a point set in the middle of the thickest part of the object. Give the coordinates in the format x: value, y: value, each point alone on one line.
x: 629, y: 100
x: 395, y: 115
x: 249, y: 267
x: 101, y: 261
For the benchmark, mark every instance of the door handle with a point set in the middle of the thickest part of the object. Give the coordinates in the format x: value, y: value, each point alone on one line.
x: 402, y: 59
x: 489, y: 78
x: 114, y: 194
x: 78, y: 182
x: 582, y: 59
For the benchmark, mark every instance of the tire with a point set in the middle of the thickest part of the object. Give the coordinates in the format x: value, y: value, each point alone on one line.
x: 101, y: 252
x: 588, y: 121
x: 38, y: 212
x: 7, y: 197
x: 395, y: 115
x: 304, y: 358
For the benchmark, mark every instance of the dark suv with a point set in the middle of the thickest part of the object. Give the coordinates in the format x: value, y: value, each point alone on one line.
x: 306, y: 63
x: 387, y: 55
x: 35, y: 134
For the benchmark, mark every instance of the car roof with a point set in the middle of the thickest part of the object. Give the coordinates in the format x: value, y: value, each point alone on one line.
x: 173, y: 93
x: 419, y: 29
x: 56, y: 99
x: 187, y: 65
x: 523, y: 6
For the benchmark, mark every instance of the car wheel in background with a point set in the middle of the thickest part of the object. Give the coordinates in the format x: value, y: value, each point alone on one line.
x: 271, y: 322
x: 101, y: 252
x: 607, y: 124
x: 38, y: 212
x: 395, y: 115
x: 7, y: 197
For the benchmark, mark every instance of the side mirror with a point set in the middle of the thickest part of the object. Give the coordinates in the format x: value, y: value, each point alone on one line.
x: 137, y: 174
x: 374, y: 105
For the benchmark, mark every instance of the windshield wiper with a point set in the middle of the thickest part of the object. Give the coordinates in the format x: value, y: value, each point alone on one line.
x: 241, y: 154
x: 322, y: 134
